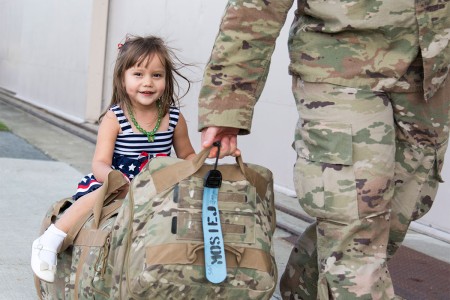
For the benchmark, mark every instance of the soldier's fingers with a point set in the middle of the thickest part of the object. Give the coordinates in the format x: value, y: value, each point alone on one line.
x: 212, y: 153
x: 224, y: 146
x: 234, y: 151
x: 208, y: 136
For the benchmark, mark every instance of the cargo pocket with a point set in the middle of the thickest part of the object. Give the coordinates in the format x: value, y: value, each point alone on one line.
x: 323, y: 174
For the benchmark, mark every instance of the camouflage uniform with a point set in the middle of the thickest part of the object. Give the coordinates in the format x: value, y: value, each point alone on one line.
x: 369, y: 80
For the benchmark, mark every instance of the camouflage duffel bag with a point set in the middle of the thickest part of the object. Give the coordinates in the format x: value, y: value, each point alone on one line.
x: 82, y: 262
x: 157, y: 245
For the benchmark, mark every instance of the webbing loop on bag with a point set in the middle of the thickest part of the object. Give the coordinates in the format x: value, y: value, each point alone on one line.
x: 193, y: 254
x: 215, y: 264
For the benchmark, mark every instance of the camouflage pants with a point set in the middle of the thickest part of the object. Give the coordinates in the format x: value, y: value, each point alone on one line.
x: 368, y: 163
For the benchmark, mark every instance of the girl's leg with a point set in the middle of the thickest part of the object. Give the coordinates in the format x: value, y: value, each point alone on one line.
x: 46, y: 247
x: 77, y: 210
x: 345, y: 141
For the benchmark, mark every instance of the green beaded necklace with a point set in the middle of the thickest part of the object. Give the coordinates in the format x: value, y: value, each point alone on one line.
x: 150, y: 134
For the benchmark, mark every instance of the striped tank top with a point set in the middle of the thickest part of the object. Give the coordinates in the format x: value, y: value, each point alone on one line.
x: 132, y: 150
x: 131, y: 144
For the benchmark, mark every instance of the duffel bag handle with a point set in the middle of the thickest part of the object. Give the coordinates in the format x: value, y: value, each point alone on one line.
x: 170, y: 175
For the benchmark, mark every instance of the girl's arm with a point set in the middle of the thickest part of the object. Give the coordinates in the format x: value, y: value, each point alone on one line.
x: 181, y: 142
x: 107, y: 133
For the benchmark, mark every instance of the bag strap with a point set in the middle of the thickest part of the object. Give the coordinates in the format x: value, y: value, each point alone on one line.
x: 172, y: 174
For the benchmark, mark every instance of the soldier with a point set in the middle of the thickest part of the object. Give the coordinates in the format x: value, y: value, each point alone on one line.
x: 370, y: 83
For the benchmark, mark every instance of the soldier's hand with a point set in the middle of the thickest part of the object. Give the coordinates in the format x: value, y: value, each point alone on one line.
x: 227, y: 137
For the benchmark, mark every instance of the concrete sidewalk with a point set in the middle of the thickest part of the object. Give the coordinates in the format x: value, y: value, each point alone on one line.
x: 40, y: 164
x: 28, y: 188
x: 43, y: 158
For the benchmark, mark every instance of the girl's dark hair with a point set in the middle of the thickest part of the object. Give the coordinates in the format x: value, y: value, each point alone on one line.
x: 135, y: 51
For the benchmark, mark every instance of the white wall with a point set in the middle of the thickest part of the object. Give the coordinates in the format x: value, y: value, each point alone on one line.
x: 44, y: 52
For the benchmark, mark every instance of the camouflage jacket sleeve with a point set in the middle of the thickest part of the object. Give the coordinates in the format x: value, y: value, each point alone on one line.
x: 236, y: 72
x: 434, y: 38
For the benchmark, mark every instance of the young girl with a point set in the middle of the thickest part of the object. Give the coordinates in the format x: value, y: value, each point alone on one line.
x: 142, y: 122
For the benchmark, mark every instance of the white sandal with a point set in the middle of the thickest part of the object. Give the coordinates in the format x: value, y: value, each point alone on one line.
x: 41, y: 268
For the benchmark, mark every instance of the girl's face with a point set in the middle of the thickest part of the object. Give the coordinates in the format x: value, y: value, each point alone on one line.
x: 145, y: 83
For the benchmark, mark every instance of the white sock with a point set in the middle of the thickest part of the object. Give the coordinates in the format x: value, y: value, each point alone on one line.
x: 52, y: 239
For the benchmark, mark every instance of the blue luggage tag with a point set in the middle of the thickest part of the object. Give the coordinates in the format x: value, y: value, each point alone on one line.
x: 215, y: 264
